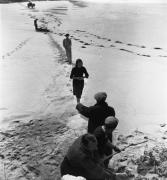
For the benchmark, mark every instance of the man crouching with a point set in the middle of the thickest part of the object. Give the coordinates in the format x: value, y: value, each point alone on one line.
x: 81, y: 160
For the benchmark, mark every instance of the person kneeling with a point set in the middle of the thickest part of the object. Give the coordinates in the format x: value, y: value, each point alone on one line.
x: 81, y: 160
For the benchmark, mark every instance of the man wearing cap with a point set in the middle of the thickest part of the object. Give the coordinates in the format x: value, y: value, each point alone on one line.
x: 67, y: 45
x: 97, y: 113
x: 80, y: 160
x: 103, y: 135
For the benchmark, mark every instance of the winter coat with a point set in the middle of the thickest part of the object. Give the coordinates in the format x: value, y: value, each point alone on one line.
x: 96, y: 114
x: 105, y: 145
x: 79, y: 72
x: 67, y: 43
x: 81, y: 162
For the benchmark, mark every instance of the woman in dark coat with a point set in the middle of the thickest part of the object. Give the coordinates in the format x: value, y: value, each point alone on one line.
x: 78, y: 74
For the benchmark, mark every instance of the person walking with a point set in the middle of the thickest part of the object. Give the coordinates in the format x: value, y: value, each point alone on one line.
x: 98, y: 113
x: 78, y: 73
x: 67, y: 45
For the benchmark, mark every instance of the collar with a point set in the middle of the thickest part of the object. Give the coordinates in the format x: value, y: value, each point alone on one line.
x: 103, y: 128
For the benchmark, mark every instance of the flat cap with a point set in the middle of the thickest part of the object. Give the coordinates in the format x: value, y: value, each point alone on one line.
x: 100, y: 96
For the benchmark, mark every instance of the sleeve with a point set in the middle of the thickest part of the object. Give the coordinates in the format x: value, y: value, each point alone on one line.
x: 85, y: 111
x: 98, y: 135
x: 112, y: 111
x: 86, y: 73
x: 72, y: 73
x: 110, y: 138
x: 92, y: 170
x: 109, y: 144
x: 111, y: 147
x: 64, y: 43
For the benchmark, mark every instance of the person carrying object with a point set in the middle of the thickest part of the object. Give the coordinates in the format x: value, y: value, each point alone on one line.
x: 78, y: 73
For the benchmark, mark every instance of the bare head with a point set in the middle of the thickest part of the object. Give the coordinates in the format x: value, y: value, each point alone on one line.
x: 79, y: 63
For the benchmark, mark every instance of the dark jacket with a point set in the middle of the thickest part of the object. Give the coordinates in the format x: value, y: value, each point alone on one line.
x: 81, y: 162
x: 79, y: 72
x: 67, y: 43
x: 105, y: 145
x: 96, y: 114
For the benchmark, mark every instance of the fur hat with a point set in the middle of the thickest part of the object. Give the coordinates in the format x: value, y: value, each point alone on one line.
x: 100, y: 96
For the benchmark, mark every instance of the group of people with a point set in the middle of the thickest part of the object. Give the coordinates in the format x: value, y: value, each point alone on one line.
x: 87, y: 156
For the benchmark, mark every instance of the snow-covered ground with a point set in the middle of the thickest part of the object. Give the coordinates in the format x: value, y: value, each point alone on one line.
x: 123, y: 47
x: 34, y: 81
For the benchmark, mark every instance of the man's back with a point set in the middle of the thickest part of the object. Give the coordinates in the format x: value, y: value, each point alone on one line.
x: 96, y: 114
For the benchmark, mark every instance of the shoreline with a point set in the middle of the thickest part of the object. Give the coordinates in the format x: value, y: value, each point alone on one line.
x: 34, y: 149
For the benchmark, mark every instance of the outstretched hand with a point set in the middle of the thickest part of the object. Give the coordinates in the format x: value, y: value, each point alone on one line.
x: 116, y: 149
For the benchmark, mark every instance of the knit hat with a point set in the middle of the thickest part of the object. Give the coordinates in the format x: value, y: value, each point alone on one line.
x: 111, y: 121
x: 67, y: 35
x: 100, y: 96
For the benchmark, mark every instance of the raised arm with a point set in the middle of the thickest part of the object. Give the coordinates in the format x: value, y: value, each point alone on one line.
x: 85, y: 111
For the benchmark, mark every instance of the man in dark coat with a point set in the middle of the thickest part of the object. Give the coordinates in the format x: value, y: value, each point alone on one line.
x: 104, y: 137
x: 97, y: 113
x: 35, y: 24
x: 81, y: 160
x: 67, y: 45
